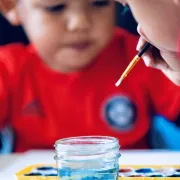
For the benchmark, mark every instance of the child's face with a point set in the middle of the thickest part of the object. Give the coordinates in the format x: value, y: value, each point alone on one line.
x: 159, y: 21
x: 68, y: 34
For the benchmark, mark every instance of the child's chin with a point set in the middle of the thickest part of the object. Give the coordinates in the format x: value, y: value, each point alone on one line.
x: 81, y: 60
x: 80, y: 65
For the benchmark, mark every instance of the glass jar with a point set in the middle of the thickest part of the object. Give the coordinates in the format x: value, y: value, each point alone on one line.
x: 88, y: 158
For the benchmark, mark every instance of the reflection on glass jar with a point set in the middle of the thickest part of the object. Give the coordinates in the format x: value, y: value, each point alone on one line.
x: 88, y: 158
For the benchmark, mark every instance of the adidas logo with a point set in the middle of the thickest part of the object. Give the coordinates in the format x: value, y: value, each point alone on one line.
x: 32, y: 108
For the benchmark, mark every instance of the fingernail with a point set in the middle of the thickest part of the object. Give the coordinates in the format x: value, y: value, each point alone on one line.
x: 146, y: 60
x: 139, y: 45
x: 10, y: 16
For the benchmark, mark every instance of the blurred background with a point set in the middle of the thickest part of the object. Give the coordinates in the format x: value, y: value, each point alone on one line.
x: 163, y: 133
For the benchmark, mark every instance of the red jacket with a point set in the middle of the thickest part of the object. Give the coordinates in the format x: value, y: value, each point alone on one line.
x: 43, y: 106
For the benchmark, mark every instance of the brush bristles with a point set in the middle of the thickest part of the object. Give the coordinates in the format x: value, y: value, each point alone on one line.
x: 119, y: 82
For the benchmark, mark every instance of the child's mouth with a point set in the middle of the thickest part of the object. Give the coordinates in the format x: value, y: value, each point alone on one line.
x: 80, y: 46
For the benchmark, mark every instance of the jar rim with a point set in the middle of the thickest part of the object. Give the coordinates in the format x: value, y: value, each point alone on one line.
x: 91, y: 146
x: 87, y: 140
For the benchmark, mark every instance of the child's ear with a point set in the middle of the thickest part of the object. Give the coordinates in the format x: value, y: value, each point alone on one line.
x: 12, y: 17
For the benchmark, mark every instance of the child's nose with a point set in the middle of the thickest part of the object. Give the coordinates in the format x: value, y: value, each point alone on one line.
x: 79, y: 21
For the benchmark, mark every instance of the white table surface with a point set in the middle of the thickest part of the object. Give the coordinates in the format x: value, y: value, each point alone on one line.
x: 47, y: 157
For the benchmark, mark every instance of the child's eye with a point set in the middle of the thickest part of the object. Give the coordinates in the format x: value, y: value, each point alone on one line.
x: 57, y: 8
x: 100, y: 3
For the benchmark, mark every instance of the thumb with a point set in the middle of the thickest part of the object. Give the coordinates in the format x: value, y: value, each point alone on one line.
x: 11, y: 16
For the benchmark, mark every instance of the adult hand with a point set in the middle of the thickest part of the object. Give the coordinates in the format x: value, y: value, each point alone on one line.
x: 167, y: 62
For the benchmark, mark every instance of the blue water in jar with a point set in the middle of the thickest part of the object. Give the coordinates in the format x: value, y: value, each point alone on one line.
x: 88, y: 174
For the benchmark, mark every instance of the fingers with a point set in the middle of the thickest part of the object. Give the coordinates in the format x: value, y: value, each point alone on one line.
x: 167, y: 62
x: 10, y: 17
x: 152, y: 57
x: 140, y: 44
x: 155, y: 57
x: 173, y: 76
x: 171, y: 59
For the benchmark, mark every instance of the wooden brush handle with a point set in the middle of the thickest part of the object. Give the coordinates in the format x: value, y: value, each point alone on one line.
x: 131, y: 66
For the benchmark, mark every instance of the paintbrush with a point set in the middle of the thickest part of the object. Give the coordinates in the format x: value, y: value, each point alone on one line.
x: 133, y: 63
